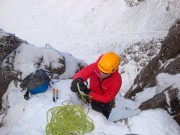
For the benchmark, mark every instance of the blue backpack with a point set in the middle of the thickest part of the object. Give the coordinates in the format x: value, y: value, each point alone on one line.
x: 37, y: 82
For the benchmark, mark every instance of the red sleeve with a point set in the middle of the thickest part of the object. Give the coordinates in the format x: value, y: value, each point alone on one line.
x: 109, y: 95
x: 86, y: 72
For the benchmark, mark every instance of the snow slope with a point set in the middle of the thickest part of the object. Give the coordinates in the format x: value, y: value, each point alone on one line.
x: 76, y: 24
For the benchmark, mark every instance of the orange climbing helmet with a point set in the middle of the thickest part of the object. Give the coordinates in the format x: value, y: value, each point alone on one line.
x: 109, y: 62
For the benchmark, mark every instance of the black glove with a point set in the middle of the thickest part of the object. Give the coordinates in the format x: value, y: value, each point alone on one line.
x: 74, y: 83
x: 82, y: 86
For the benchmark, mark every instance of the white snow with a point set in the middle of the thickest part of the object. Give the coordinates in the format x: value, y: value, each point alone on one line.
x: 165, y: 80
x: 77, y: 25
x: 86, y: 29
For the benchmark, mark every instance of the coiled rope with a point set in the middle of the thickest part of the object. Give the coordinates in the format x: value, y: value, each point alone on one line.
x: 68, y: 120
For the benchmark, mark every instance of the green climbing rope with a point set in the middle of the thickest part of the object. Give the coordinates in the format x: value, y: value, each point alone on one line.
x: 68, y: 120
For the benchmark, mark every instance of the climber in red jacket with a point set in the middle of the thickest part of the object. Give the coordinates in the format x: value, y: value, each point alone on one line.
x: 104, y: 83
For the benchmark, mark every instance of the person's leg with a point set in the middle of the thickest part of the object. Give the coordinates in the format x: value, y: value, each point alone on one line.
x: 106, y: 112
x: 96, y: 106
x: 105, y: 109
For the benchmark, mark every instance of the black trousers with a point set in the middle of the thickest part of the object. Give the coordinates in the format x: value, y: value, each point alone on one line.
x: 104, y: 108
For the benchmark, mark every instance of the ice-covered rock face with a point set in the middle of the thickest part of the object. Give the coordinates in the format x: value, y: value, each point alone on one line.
x: 132, y: 3
x: 167, y: 61
x: 8, y: 42
x: 141, y: 53
x: 31, y: 58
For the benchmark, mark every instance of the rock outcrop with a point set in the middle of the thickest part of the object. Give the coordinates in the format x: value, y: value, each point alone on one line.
x: 167, y: 61
x: 8, y: 43
x: 18, y: 59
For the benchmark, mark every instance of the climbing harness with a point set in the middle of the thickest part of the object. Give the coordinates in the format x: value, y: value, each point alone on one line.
x: 68, y: 120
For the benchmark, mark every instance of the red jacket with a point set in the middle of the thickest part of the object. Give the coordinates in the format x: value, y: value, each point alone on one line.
x: 109, y: 86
